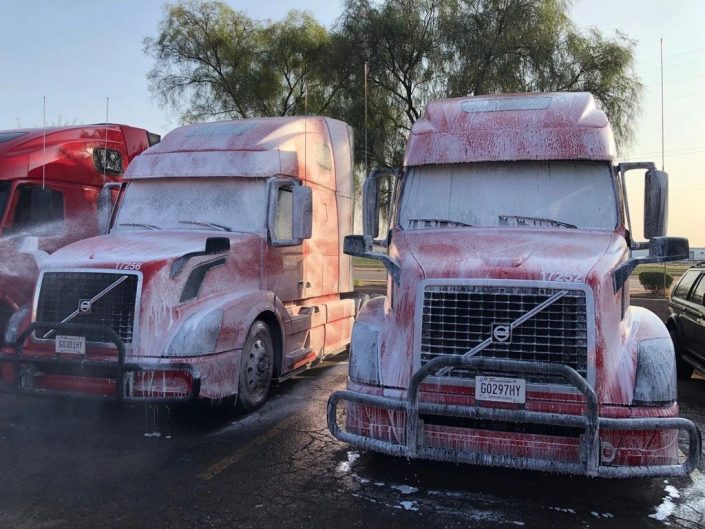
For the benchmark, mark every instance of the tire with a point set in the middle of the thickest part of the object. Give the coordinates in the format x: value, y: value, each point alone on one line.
x: 683, y: 369
x: 256, y: 368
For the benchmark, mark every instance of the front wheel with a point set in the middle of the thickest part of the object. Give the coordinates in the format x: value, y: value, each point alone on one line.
x: 683, y: 369
x: 256, y: 368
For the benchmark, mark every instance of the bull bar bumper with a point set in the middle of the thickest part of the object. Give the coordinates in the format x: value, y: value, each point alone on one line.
x: 590, y: 422
x: 119, y: 371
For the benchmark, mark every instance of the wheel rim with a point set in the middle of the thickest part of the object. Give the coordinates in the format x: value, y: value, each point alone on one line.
x: 257, y: 368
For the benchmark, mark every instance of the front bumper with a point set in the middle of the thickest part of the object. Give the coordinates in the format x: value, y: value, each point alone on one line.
x: 415, y: 442
x: 101, y: 379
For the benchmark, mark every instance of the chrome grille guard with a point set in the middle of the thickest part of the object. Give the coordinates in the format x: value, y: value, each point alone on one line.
x: 116, y: 369
x: 590, y: 422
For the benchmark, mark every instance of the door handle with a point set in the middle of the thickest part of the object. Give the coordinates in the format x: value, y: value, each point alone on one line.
x: 304, y: 284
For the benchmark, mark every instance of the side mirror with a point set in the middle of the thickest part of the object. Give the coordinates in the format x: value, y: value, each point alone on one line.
x: 655, y: 203
x: 29, y: 245
x: 370, y: 206
x: 357, y: 245
x: 661, y: 250
x: 669, y: 248
x: 217, y: 245
x: 370, y: 201
x: 106, y: 204
x: 302, y: 213
x: 361, y: 246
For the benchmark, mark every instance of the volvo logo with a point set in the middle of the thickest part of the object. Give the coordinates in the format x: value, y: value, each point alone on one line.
x: 501, y: 333
x: 84, y: 306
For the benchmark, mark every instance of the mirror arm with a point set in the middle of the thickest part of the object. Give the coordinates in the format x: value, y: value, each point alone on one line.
x: 361, y: 246
x: 630, y: 166
x: 658, y: 253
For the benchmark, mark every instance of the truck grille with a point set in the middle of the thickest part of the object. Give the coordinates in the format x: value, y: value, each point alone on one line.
x: 456, y: 318
x: 62, y: 292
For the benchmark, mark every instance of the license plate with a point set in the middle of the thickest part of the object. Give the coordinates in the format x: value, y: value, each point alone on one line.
x: 70, y: 344
x: 500, y: 389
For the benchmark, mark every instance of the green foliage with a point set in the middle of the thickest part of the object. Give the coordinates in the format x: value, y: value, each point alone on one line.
x: 655, y: 281
x: 214, y: 62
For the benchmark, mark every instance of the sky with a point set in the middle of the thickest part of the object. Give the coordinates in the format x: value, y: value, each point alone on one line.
x: 78, y: 52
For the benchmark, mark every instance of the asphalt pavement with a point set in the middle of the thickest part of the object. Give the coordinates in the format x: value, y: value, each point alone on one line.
x: 68, y: 464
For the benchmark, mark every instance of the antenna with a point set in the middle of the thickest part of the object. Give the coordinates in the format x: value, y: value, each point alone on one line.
x: 305, y: 87
x: 367, y: 165
x: 105, y: 150
x: 663, y: 156
x: 44, y: 147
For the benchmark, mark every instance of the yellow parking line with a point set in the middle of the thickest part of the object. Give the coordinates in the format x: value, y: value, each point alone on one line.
x: 238, y: 454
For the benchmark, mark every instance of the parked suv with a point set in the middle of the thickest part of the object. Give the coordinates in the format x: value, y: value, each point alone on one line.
x: 686, y: 322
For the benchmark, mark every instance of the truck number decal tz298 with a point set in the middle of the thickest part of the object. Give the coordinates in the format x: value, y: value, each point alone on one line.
x: 560, y: 276
x: 128, y: 266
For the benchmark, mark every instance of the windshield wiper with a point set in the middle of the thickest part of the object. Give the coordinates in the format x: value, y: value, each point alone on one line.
x: 150, y: 226
x: 207, y: 224
x: 521, y: 221
x: 446, y: 222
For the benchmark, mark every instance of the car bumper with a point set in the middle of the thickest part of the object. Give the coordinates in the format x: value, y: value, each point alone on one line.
x: 612, y: 447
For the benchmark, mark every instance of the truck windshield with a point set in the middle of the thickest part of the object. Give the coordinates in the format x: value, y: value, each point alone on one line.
x: 216, y: 204
x: 553, y: 194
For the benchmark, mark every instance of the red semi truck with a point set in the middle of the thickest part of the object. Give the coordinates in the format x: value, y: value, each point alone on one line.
x: 49, y: 185
x: 223, y: 269
x: 506, y: 336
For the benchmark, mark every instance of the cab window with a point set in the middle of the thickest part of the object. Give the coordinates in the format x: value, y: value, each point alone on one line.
x: 699, y: 292
x: 685, y: 284
x: 282, y: 223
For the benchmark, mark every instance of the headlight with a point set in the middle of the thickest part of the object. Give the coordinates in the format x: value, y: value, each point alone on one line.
x: 12, y: 330
x: 655, y: 383
x: 197, y: 336
x: 364, y: 354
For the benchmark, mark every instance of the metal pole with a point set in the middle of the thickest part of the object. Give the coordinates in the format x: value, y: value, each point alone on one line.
x: 105, y: 149
x: 367, y: 165
x: 663, y: 156
x: 44, y: 148
x: 305, y: 87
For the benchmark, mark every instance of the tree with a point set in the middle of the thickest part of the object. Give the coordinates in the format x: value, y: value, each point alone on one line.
x: 494, y: 46
x: 395, y: 40
x: 654, y: 281
x: 212, y: 61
